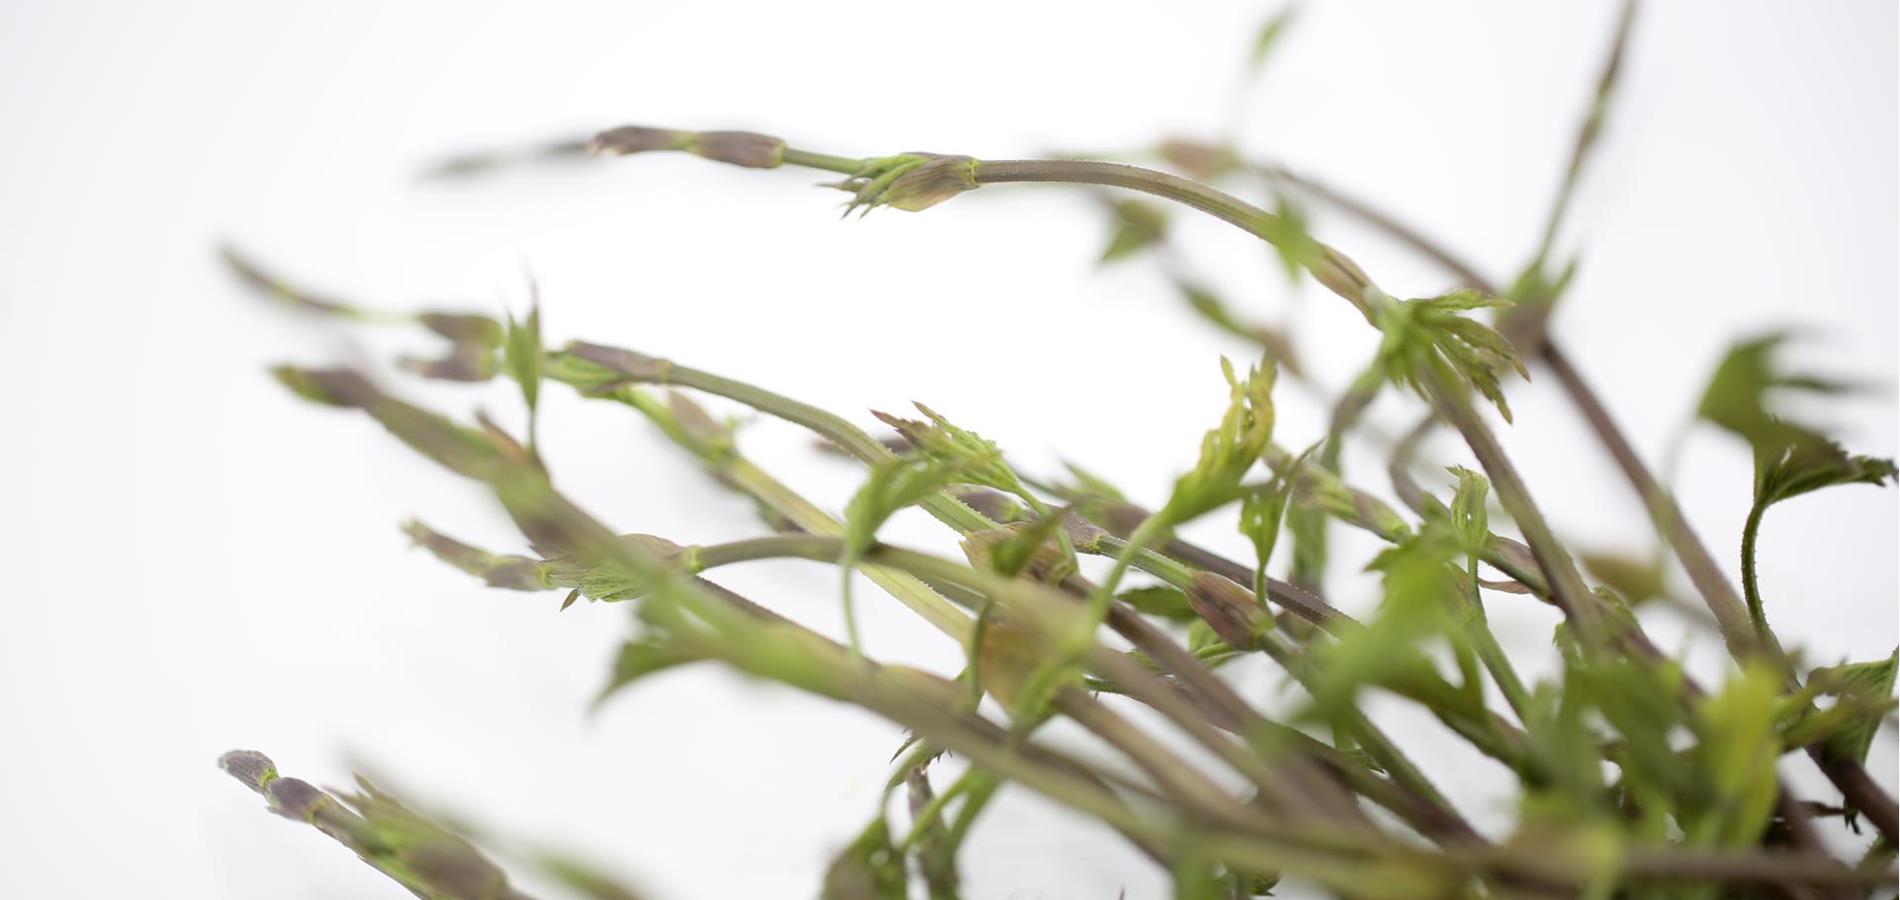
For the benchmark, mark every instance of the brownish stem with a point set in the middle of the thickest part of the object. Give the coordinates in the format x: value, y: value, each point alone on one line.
x: 1730, y: 614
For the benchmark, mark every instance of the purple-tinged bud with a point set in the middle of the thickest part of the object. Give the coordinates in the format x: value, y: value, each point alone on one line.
x: 1196, y: 159
x: 466, y: 363
x: 1230, y: 610
x: 629, y: 139
x: 254, y: 275
x: 937, y: 180
x: 636, y: 366
x: 740, y: 148
x: 295, y: 798
x: 330, y: 387
x: 249, y: 766
x: 517, y: 573
x: 464, y: 327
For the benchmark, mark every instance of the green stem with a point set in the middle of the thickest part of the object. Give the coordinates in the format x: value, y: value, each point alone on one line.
x: 1330, y: 267
x: 1567, y: 588
x: 1478, y: 630
x: 839, y: 164
x: 1751, y: 592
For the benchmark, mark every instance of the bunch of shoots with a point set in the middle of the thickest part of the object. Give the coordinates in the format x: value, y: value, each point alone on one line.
x: 1629, y: 776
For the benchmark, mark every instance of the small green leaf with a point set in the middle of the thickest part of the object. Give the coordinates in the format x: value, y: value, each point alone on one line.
x: 1287, y: 231
x: 1735, y: 752
x: 890, y: 487
x: 1808, y: 463
x: 972, y: 458
x: 1469, y: 518
x: 522, y: 355
x: 641, y: 657
x: 1433, y: 333
x: 1269, y: 36
x: 1228, y: 451
x: 1868, y: 685
x: 1261, y: 513
x: 1135, y: 225
x: 871, y: 868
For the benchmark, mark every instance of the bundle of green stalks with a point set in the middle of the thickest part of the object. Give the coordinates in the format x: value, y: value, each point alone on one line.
x: 1632, y: 778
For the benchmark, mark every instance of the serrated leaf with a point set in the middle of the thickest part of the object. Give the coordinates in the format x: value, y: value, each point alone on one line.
x: 1870, y: 684
x: 890, y: 487
x: 971, y: 457
x: 1433, y: 333
x: 1737, y: 397
x: 1790, y: 458
x: 1228, y: 451
x: 1261, y: 514
x: 1808, y: 463
x: 1469, y: 517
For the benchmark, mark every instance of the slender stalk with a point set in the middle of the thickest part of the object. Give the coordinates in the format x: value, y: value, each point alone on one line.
x: 1566, y: 585
x: 1731, y: 614
x: 1330, y: 267
x: 1751, y: 592
x: 1478, y: 631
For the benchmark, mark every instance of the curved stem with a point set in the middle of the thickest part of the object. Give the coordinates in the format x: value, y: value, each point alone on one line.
x: 1757, y: 614
x: 1330, y: 267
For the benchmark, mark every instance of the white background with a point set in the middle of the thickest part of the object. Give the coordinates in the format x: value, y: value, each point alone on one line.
x: 194, y: 562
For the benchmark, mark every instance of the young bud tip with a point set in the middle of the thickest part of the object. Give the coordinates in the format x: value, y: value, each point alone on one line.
x: 249, y: 766
x: 739, y: 148
x: 937, y: 180
x: 330, y: 387
x: 295, y: 798
x: 628, y: 139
